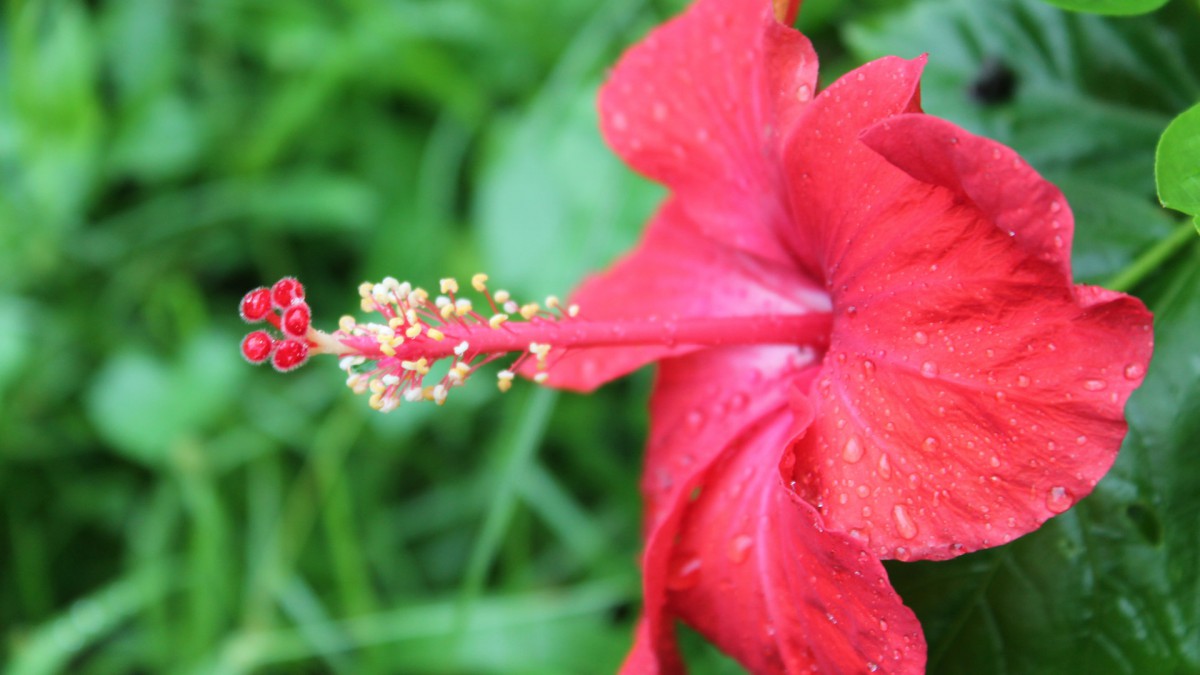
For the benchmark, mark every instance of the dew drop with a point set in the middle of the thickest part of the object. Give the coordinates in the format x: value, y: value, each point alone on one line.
x: 739, y: 401
x: 1081, y: 440
x: 1022, y: 380
x: 685, y: 576
x: 885, y: 467
x: 863, y: 491
x: 804, y: 92
x: 1095, y: 385
x: 920, y: 338
x: 695, y: 419
x: 1059, y: 499
x: 904, y: 524
x: 852, y: 451
x: 994, y: 461
x: 929, y: 369
x: 1133, y: 371
x: 869, y: 367
x: 930, y: 444
x: 739, y: 548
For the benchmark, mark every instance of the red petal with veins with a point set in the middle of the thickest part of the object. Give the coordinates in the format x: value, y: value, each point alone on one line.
x: 970, y: 391
x: 733, y: 552
x: 677, y: 273
x: 699, y: 104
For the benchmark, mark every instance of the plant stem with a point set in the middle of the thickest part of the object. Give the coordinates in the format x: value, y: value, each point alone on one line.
x: 1154, y: 257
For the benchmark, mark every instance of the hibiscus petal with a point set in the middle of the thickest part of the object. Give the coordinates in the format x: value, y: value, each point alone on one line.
x: 676, y: 273
x: 1005, y: 189
x: 755, y: 572
x: 834, y: 180
x: 696, y: 106
x: 970, y: 392
x: 696, y: 416
x: 744, y: 561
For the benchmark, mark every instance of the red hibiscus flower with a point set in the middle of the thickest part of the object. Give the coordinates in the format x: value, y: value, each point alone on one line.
x: 868, y: 339
x: 965, y: 392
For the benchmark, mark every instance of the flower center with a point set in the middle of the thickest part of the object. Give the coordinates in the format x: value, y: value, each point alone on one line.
x: 396, y: 357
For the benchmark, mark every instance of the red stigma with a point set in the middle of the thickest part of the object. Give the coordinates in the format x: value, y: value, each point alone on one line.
x: 296, y: 320
x: 257, y: 346
x: 289, y: 355
x: 255, y: 305
x: 286, y: 291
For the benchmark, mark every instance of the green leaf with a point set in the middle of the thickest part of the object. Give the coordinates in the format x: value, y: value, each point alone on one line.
x: 1112, y: 7
x: 1177, y: 163
x: 142, y: 406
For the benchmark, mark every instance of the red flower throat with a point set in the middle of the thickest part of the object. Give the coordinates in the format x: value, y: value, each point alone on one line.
x: 394, y: 358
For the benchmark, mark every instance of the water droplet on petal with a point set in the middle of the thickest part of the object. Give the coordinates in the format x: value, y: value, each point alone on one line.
x: 1081, y: 440
x: 1133, y: 371
x: 930, y: 444
x: 1022, y: 380
x: 904, y: 524
x: 685, y: 576
x: 1095, y: 385
x: 804, y: 92
x: 929, y: 369
x: 852, y: 451
x: 1058, y: 499
x: 863, y: 491
x: 920, y: 338
x: 739, y: 548
x: 695, y: 419
x: 885, y: 467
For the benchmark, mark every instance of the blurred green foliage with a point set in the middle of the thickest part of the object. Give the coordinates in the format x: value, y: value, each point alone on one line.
x: 166, y: 508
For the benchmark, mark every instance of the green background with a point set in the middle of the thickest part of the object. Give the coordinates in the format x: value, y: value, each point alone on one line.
x: 164, y: 507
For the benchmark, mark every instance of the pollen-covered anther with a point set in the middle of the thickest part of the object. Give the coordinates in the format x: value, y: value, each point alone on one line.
x: 541, y: 378
x: 529, y: 311
x: 439, y: 394
x: 449, y: 285
x: 502, y: 296
x: 504, y: 380
x: 497, y: 320
x: 462, y: 307
x: 479, y: 282
x: 552, y: 302
x: 573, y: 311
x: 413, y: 331
x: 541, y: 351
x: 346, y: 323
x: 461, y: 348
x: 435, y: 334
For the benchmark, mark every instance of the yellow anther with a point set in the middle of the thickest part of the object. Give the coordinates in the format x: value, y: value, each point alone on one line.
x: 462, y: 368
x: 422, y: 366
x: 447, y: 311
x: 449, y: 285
x: 365, y: 288
x: 573, y: 310
x: 346, y: 323
x: 435, y: 334
x: 376, y: 401
x: 501, y: 296
x: 413, y: 330
x: 411, y: 316
x: 408, y: 365
x: 540, y: 378
x: 497, y: 320
x: 387, y: 349
x: 367, y: 304
x: 376, y: 387
x: 395, y: 322
x: 479, y: 282
x: 439, y: 394
x: 552, y: 301
x: 427, y: 393
x: 529, y: 311
x: 418, y: 297
x: 504, y: 385
x: 462, y: 307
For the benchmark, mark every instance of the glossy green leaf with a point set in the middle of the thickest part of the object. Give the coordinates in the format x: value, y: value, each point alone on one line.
x: 1177, y: 164
x: 1111, y: 7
